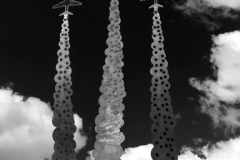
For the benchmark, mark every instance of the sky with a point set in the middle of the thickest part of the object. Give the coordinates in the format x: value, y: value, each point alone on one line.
x: 202, y: 44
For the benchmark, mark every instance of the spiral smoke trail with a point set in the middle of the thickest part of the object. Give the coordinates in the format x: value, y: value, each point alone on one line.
x: 109, y: 120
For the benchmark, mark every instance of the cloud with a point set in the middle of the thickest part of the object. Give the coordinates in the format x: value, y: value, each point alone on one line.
x: 211, y: 13
x: 137, y: 153
x: 222, y: 96
x: 221, y: 151
x: 26, y: 128
x: 198, y: 141
x: 178, y: 116
x: 235, y: 4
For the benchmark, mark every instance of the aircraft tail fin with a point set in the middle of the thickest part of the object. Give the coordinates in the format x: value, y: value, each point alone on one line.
x: 66, y: 12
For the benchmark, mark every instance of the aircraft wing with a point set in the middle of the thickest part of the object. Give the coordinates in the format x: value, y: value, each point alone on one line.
x: 155, y: 5
x: 74, y: 3
x: 63, y: 4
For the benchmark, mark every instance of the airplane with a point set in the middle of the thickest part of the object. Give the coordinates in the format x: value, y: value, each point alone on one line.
x: 66, y: 4
x: 155, y: 5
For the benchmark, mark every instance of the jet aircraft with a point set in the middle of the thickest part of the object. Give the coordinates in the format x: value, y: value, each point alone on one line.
x: 155, y: 5
x: 66, y: 4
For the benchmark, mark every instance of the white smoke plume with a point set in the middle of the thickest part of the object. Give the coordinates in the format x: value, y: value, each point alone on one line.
x: 220, y: 103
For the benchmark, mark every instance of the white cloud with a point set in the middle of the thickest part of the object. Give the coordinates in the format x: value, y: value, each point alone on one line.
x: 198, y: 141
x: 209, y: 12
x: 137, y: 153
x: 178, y: 116
x: 26, y: 128
x: 223, y: 95
x: 235, y: 4
x: 223, y: 150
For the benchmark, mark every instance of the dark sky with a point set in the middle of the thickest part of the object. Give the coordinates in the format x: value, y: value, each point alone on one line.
x: 29, y: 44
